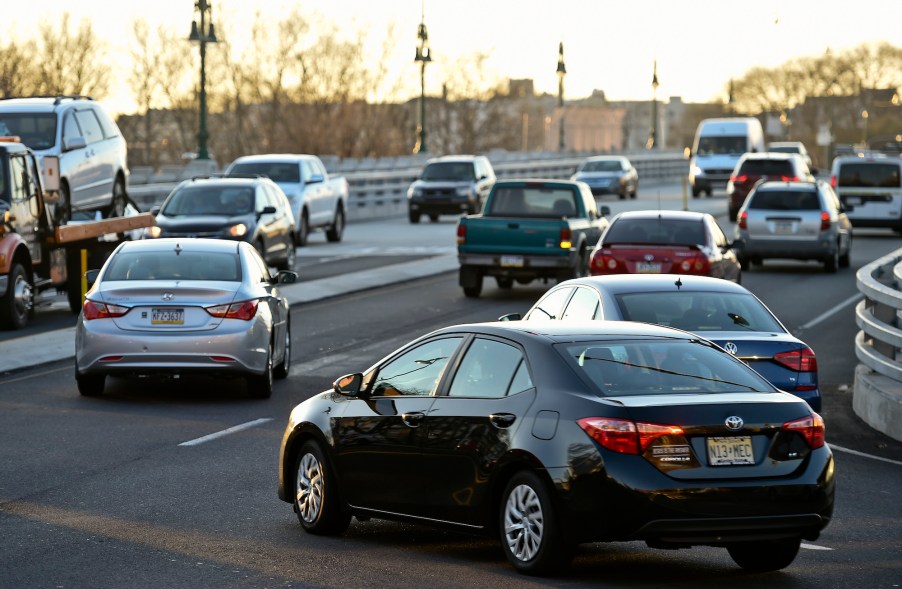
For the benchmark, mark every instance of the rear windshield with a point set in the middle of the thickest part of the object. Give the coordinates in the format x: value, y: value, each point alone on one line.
x: 210, y: 200
x: 698, y: 311
x: 277, y: 172
x: 656, y: 231
x: 528, y: 201
x: 708, y: 145
x: 602, y: 166
x: 776, y: 168
x: 172, y: 265
x: 784, y: 148
x: 454, y: 171
x: 37, y: 131
x: 660, y: 367
x: 785, y: 200
x: 870, y: 175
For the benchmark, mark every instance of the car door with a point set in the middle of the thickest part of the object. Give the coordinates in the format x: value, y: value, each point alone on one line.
x: 470, y: 430
x: 75, y: 162
x: 378, y: 437
x: 316, y: 193
x: 99, y: 171
x: 724, y: 263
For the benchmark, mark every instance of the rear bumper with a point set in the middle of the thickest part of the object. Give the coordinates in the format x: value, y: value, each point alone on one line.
x: 533, y: 265
x: 819, y: 249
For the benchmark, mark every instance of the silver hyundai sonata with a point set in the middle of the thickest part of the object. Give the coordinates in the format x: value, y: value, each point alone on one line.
x: 184, y: 306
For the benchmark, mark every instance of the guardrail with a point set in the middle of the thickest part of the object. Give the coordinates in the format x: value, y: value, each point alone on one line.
x: 378, y: 188
x: 878, y: 346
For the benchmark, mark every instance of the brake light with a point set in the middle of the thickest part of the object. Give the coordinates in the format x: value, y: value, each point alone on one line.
x: 461, y: 234
x: 811, y: 427
x: 602, y: 262
x: 695, y: 265
x: 825, y: 221
x: 833, y: 182
x: 744, y: 220
x: 245, y: 310
x: 96, y: 310
x: 789, y: 178
x: 566, y: 238
x: 624, y: 436
x: 802, y: 360
x: 739, y: 179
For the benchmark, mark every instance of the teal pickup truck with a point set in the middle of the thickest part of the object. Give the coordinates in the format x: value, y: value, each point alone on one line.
x: 529, y: 229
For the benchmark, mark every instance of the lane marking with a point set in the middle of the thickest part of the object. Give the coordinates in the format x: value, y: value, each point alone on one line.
x: 857, y: 453
x: 830, y: 312
x: 226, y: 432
x: 814, y: 547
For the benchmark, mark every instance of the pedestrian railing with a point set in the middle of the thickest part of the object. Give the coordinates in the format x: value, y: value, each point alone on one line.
x: 879, y: 342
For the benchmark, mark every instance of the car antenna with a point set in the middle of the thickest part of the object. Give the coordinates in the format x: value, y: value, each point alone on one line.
x: 178, y: 249
x: 678, y: 283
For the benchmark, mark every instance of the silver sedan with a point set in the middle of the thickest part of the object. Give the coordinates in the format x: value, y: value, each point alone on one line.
x: 184, y: 306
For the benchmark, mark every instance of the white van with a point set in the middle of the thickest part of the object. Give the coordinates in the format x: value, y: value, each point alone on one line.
x: 870, y: 188
x: 718, y: 145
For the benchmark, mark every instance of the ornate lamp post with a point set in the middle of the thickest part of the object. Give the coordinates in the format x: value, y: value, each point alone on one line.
x: 561, y: 72
x: 203, y: 34
x: 423, y: 57
x: 653, y: 132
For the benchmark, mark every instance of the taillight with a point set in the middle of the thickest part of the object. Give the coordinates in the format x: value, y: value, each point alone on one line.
x: 245, y: 310
x: 789, y: 178
x: 744, y: 220
x: 624, y: 436
x: 740, y: 179
x: 811, y: 427
x: 833, y: 182
x: 96, y: 310
x: 602, y: 262
x: 825, y: 221
x: 695, y: 265
x: 802, y: 360
x: 461, y: 234
x: 566, y: 238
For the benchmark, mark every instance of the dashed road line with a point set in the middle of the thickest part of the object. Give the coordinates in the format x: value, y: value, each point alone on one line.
x: 226, y: 432
x: 830, y: 312
x: 814, y: 547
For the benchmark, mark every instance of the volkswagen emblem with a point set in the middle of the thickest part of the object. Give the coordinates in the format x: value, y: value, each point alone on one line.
x: 167, y: 296
x: 733, y: 422
x: 731, y: 348
x: 649, y: 257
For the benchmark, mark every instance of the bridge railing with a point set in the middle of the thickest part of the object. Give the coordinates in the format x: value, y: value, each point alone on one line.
x: 878, y: 346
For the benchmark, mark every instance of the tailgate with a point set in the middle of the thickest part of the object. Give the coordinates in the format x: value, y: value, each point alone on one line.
x: 519, y: 236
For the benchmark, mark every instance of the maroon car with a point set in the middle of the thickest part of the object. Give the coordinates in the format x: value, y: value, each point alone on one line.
x: 755, y: 167
x: 665, y: 242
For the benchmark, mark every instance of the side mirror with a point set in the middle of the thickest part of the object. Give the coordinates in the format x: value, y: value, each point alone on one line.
x: 155, y: 210
x: 510, y: 317
x: 286, y: 277
x: 605, y: 211
x: 267, y: 210
x: 91, y: 277
x: 74, y: 143
x: 314, y: 179
x: 348, y: 385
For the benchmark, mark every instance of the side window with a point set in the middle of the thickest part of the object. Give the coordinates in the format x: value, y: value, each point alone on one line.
x: 90, y: 126
x: 488, y: 370
x: 19, y: 180
x: 583, y: 306
x: 720, y: 240
x: 549, y: 307
x: 259, y: 267
x: 416, y: 372
x: 261, y: 198
x: 70, y: 127
x: 110, y: 129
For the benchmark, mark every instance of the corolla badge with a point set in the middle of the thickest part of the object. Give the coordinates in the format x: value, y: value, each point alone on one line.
x: 731, y: 348
x: 167, y: 296
x: 733, y: 422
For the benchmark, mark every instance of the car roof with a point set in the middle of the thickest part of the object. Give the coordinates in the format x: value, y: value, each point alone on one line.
x: 801, y: 186
x: 770, y: 155
x: 452, y: 158
x: 666, y: 215
x: 571, y: 331
x: 606, y: 158
x: 226, y: 181
x: 539, y: 182
x: 194, y: 244
x: 273, y: 157
x: 798, y: 144
x: 632, y: 283
x: 41, y: 103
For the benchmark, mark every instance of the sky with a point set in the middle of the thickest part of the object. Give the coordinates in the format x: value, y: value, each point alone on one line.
x: 699, y: 45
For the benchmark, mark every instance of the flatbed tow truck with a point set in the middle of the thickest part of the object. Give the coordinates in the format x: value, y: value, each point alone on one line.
x: 35, y: 253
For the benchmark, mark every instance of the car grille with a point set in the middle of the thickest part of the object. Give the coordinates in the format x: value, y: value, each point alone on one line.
x: 439, y: 192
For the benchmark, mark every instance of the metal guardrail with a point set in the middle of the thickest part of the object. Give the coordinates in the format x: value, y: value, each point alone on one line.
x: 879, y: 343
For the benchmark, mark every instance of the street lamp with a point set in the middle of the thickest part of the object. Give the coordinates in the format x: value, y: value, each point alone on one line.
x: 561, y: 72
x: 653, y: 134
x: 203, y: 34
x: 423, y: 57
x: 864, y: 115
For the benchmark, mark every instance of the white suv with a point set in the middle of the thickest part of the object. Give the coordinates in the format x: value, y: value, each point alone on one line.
x: 93, y: 169
x: 870, y: 187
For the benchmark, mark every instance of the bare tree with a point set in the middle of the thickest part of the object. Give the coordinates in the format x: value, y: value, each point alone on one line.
x: 18, y: 73
x: 71, y: 63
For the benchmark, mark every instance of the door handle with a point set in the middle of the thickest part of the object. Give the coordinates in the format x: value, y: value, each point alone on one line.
x: 502, y: 420
x: 413, y: 419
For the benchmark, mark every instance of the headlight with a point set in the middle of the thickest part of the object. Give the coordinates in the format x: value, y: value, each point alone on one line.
x: 237, y: 230
x: 413, y: 192
x: 696, y: 171
x: 465, y: 191
x: 152, y: 232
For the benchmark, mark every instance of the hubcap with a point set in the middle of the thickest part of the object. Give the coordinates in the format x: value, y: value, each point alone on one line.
x: 524, y: 524
x: 22, y: 296
x: 309, y: 488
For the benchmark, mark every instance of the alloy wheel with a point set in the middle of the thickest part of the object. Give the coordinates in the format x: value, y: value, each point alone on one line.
x: 524, y: 523
x: 309, y: 488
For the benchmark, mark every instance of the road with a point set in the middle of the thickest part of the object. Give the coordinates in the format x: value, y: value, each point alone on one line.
x: 127, y: 491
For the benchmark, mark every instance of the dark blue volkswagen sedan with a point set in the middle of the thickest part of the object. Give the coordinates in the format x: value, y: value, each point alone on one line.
x: 721, y: 311
x: 546, y: 435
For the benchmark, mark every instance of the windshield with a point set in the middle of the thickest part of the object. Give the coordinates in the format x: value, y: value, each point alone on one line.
x: 699, y: 311
x: 661, y: 367
x: 720, y: 145
x: 277, y: 172
x: 785, y: 200
x: 527, y: 201
x: 37, y: 131
x: 602, y: 166
x: 174, y: 265
x: 210, y: 200
x: 454, y: 171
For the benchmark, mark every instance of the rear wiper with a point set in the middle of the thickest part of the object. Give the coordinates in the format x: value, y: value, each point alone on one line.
x: 740, y: 320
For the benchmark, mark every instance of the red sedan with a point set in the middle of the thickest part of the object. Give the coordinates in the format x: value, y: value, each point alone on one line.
x: 665, y: 242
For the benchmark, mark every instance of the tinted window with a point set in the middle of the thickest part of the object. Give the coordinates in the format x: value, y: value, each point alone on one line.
x: 708, y: 145
x: 656, y: 231
x: 461, y: 171
x: 870, y: 175
x: 549, y: 307
x: 417, y: 371
x: 167, y: 265
x: 541, y: 202
x: 766, y: 168
x: 488, y: 370
x: 90, y: 126
x: 785, y: 200
x: 699, y: 311
x: 210, y: 200
x: 583, y: 306
x: 287, y: 172
x: 37, y: 131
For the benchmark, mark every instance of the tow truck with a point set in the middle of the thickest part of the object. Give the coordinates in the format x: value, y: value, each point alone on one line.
x: 35, y: 253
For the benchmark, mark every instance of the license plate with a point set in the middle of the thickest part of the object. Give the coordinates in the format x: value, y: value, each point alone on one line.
x: 853, y: 200
x: 512, y: 261
x: 646, y: 268
x: 783, y: 228
x: 729, y: 451
x: 167, y: 317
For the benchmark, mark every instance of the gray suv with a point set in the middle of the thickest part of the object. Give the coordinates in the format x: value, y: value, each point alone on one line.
x: 450, y: 185
x: 93, y: 171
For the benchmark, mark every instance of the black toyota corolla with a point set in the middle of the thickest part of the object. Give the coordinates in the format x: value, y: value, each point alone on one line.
x: 549, y: 435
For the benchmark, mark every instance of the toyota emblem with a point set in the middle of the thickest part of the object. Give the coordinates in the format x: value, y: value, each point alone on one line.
x: 731, y: 348
x: 733, y: 422
x: 649, y: 257
x: 167, y: 296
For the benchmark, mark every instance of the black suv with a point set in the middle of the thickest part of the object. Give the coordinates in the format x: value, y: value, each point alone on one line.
x: 755, y: 167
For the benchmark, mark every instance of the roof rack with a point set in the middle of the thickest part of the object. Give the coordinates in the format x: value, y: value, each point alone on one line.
x: 57, y: 98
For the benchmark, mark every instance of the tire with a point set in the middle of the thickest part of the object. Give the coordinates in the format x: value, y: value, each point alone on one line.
x: 845, y: 259
x: 414, y: 217
x: 831, y: 264
x: 317, y: 501
x: 744, y: 263
x: 433, y: 218
x: 259, y: 386
x: 17, y: 304
x: 470, y: 279
x: 62, y: 213
x: 335, y: 231
x: 282, y: 368
x: 765, y: 555
x: 732, y: 214
x: 709, y: 193
x: 90, y: 385
x: 695, y: 192
x: 504, y: 282
x: 635, y: 193
x: 530, y: 533
x: 622, y: 195
x: 303, y: 230
x: 472, y: 292
x: 119, y: 200
x: 290, y: 257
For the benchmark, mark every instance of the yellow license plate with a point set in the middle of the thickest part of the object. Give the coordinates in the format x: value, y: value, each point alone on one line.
x: 167, y: 317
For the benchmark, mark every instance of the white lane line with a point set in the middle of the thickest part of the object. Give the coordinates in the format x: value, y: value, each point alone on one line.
x: 830, y: 312
x: 857, y: 453
x: 226, y: 432
x: 814, y: 547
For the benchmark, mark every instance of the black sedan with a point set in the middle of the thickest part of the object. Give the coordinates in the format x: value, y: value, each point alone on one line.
x: 251, y: 209
x: 549, y: 435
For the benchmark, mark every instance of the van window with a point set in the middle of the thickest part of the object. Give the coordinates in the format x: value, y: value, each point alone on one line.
x: 721, y: 144
x: 869, y: 175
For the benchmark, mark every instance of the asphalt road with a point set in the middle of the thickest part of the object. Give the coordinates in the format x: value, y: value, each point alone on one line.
x: 105, y: 493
